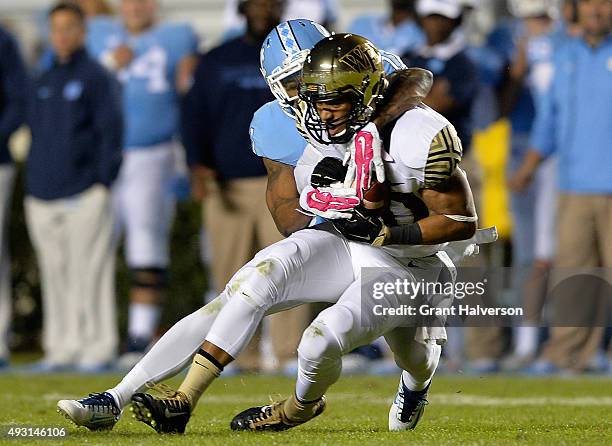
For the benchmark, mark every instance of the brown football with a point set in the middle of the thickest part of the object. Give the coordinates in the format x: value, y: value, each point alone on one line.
x: 376, y: 198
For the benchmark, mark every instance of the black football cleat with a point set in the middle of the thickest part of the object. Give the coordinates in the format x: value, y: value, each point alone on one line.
x: 272, y: 417
x: 168, y: 415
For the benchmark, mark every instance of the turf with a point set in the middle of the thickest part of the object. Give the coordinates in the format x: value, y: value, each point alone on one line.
x: 462, y: 411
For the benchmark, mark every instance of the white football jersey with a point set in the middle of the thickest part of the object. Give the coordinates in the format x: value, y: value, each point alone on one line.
x: 422, y: 150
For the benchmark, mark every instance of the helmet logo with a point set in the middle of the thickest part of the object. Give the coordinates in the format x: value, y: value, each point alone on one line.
x: 287, y: 38
x: 358, y: 59
x: 316, y: 88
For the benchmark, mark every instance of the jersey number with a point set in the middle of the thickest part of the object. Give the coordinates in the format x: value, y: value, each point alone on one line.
x: 151, y: 67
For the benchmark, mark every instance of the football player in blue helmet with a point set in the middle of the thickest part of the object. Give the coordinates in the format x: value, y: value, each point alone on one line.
x: 282, y: 57
x: 276, y: 139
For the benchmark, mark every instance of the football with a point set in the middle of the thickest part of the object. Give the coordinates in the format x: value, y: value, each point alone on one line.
x: 376, y: 198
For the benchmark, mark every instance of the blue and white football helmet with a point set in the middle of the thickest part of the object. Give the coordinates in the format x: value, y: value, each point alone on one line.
x: 283, y: 54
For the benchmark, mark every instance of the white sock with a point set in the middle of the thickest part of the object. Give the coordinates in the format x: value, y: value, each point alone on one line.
x: 526, y: 341
x: 143, y: 320
x: 412, y: 383
x: 171, y: 353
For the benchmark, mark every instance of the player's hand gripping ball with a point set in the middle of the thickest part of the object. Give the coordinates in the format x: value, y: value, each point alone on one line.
x: 376, y: 198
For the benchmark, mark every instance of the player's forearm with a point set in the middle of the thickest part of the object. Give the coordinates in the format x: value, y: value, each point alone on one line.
x: 441, y: 229
x: 531, y: 161
x: 430, y: 231
x: 287, y: 219
x: 406, y: 90
x: 452, y: 214
x: 283, y: 199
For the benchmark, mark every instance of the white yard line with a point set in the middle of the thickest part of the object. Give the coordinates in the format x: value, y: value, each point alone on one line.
x: 446, y: 399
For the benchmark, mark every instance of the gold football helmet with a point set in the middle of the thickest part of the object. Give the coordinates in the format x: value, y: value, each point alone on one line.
x: 341, y: 68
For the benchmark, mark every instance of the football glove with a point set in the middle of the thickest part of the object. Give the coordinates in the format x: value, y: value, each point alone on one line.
x: 329, y: 202
x: 328, y: 171
x: 365, y: 155
x: 363, y: 227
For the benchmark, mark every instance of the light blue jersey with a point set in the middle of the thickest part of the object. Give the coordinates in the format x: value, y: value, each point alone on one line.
x: 573, y: 117
x: 274, y: 135
x: 405, y: 37
x: 150, y: 102
x: 540, y: 58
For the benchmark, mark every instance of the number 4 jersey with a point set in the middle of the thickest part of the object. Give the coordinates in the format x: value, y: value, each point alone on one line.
x: 150, y: 100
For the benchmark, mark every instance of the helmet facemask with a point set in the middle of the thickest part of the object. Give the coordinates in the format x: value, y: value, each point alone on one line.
x: 283, y: 82
x: 359, y: 115
x: 343, y: 68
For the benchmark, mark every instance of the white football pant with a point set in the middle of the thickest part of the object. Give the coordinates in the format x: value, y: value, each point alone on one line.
x: 310, y: 266
x: 144, y: 204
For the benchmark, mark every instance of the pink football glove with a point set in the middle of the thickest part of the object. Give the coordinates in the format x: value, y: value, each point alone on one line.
x: 330, y: 202
x: 365, y: 155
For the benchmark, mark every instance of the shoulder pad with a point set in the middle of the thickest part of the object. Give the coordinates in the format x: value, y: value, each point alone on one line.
x: 444, y: 156
x: 424, y: 140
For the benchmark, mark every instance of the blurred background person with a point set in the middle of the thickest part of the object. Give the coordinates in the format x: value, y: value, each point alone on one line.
x: 91, y: 9
x: 13, y: 87
x: 324, y: 12
x: 445, y: 55
x: 228, y: 88
x: 531, y: 71
x: 457, y: 84
x: 153, y: 60
x: 396, y: 31
x: 76, y: 125
x: 573, y: 121
x: 482, y: 162
x: 515, y: 109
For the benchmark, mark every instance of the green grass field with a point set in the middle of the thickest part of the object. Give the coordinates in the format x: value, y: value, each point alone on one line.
x: 463, y: 411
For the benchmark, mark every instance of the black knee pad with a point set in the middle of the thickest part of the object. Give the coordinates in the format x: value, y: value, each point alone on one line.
x: 152, y: 278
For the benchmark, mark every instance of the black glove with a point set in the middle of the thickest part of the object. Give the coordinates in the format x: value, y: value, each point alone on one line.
x: 329, y: 170
x: 363, y: 227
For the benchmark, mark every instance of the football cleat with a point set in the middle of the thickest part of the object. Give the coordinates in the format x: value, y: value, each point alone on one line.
x: 167, y: 415
x: 98, y: 411
x: 273, y: 418
x: 407, y: 408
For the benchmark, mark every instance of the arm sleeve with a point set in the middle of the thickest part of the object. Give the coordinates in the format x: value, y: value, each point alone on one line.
x: 196, y: 124
x: 188, y: 43
x: 254, y: 127
x: 14, y: 87
x: 542, y: 138
x: 108, y: 124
